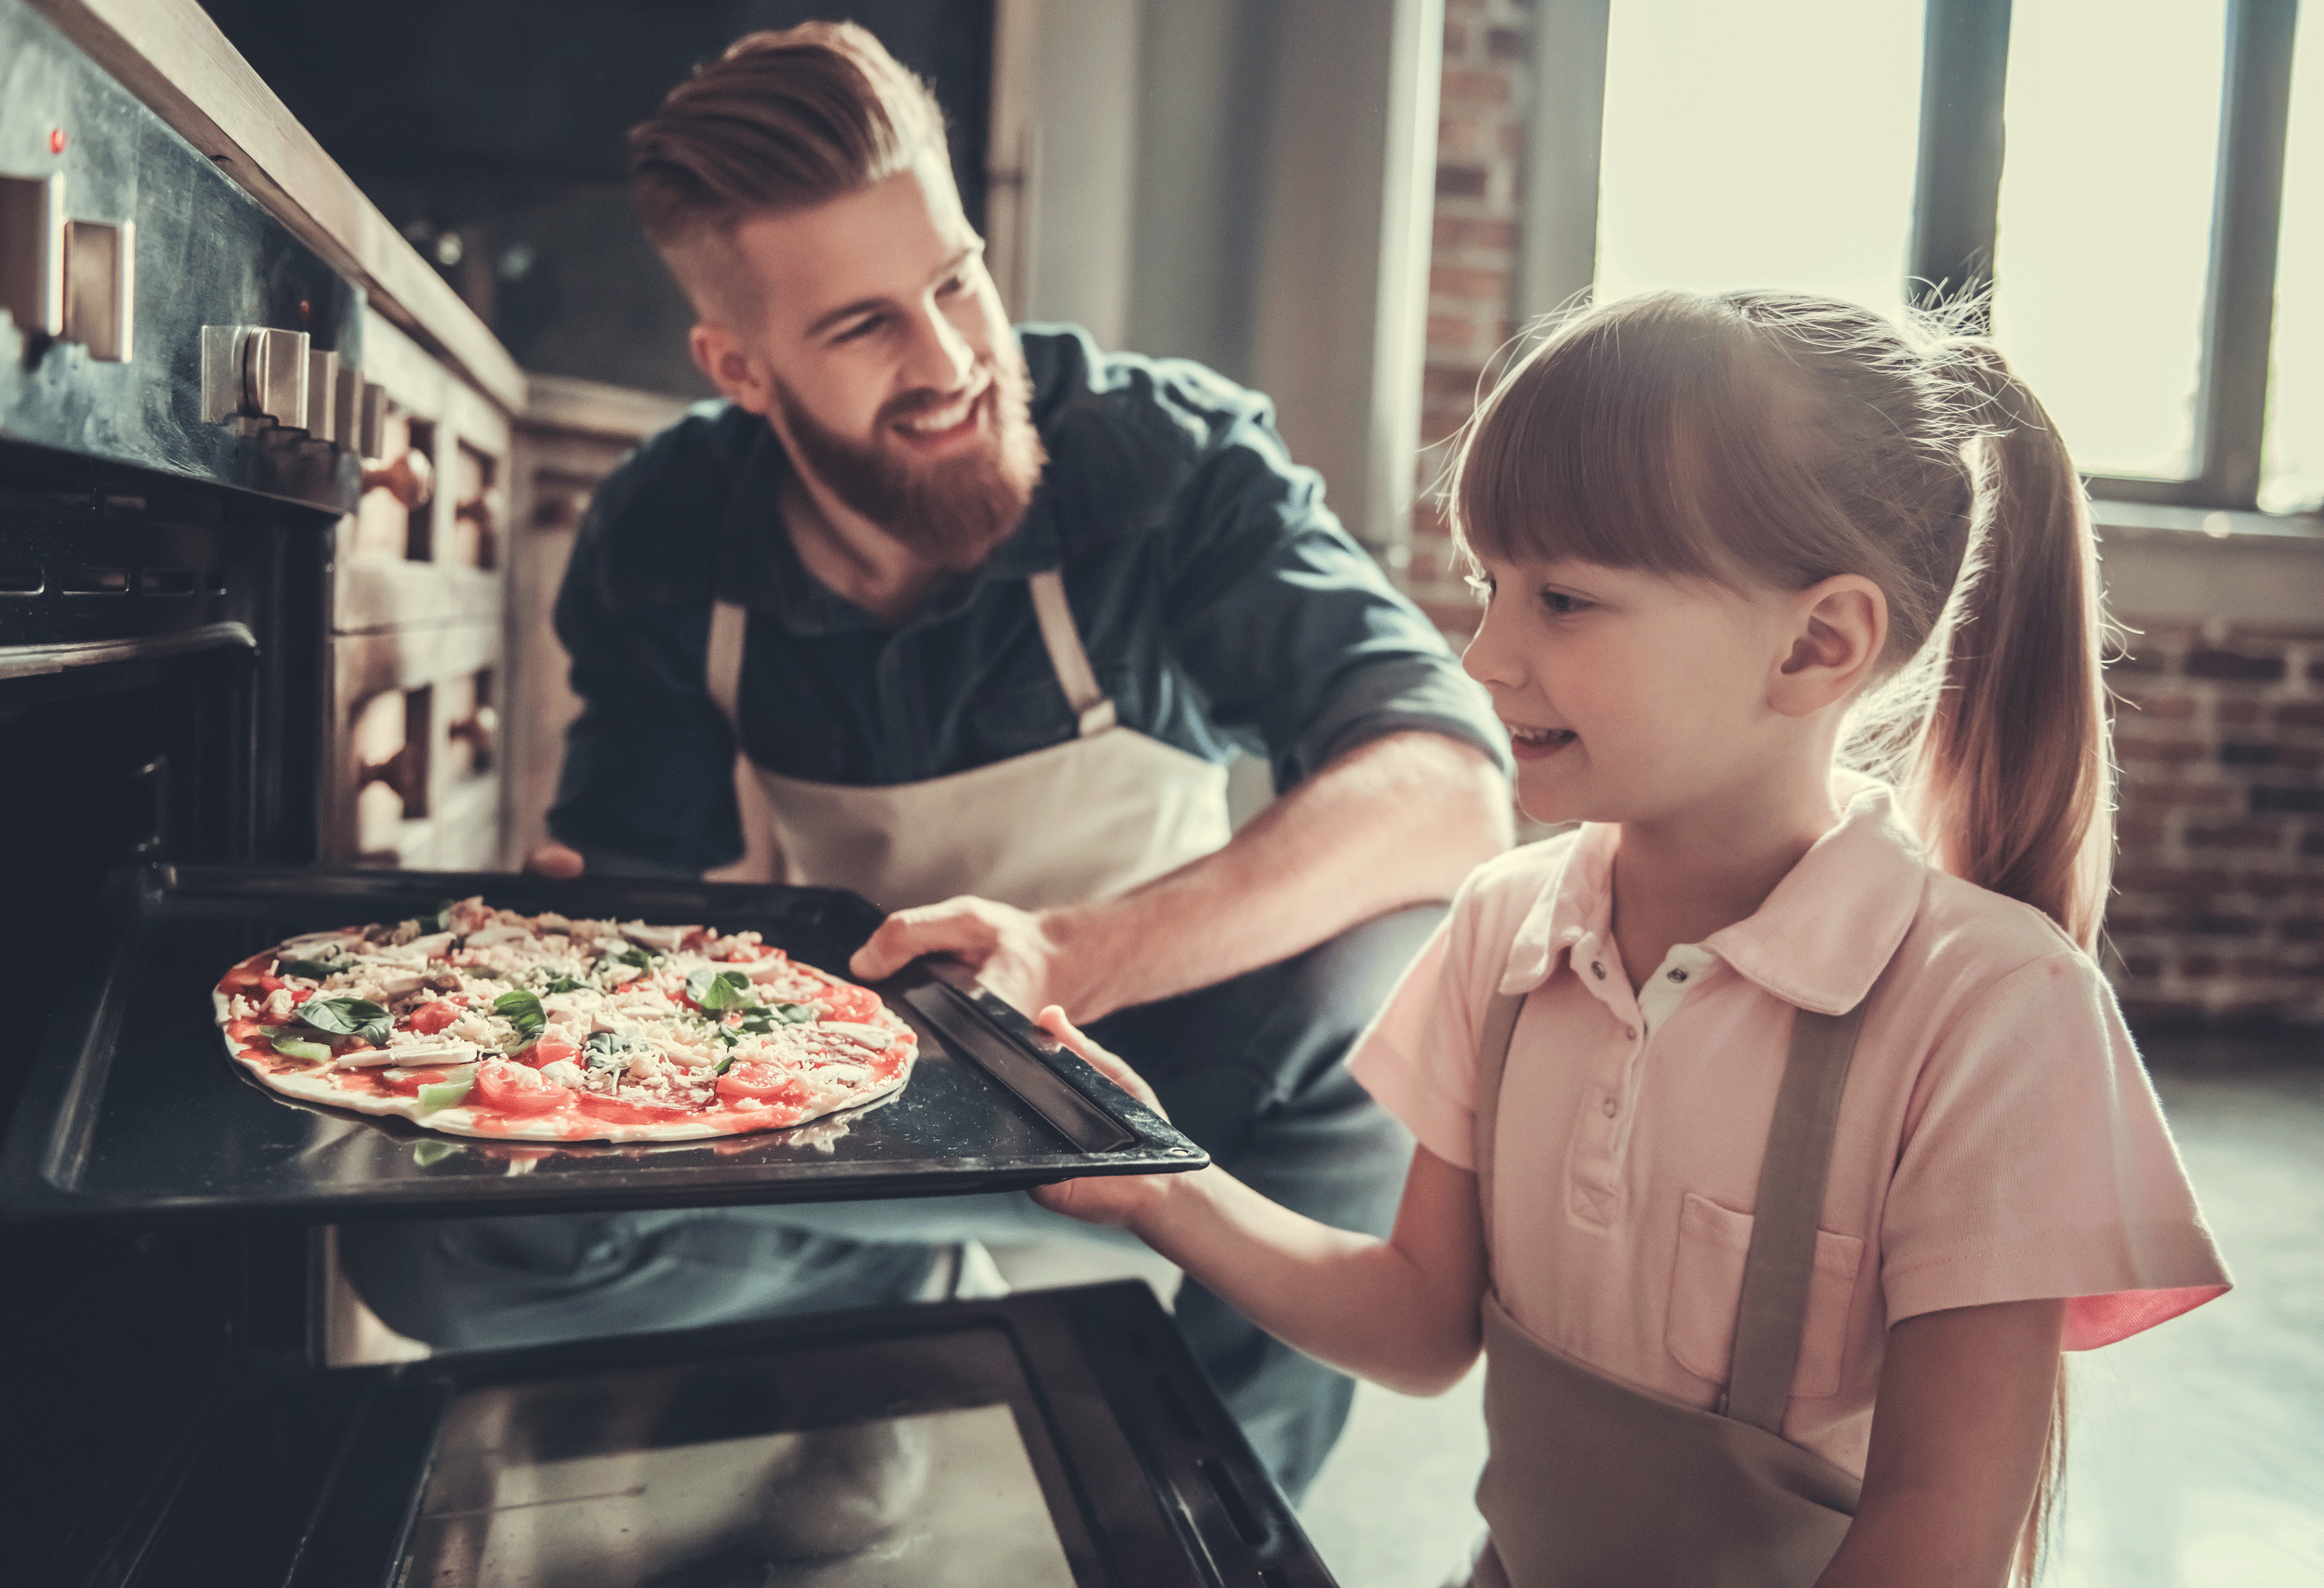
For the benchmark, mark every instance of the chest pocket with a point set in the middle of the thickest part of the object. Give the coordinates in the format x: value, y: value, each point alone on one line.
x: 1707, y: 1293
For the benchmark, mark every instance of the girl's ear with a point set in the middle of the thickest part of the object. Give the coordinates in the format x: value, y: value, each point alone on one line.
x: 1838, y: 629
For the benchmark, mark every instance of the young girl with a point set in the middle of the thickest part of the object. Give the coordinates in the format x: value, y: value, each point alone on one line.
x: 1819, y: 1134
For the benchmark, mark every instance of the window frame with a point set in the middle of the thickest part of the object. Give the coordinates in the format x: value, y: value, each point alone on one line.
x: 1957, y: 202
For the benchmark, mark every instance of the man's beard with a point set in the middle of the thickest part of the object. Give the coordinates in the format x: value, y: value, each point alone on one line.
x: 952, y: 512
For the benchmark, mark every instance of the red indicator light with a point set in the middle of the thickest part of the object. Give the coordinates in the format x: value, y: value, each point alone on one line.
x: 56, y: 140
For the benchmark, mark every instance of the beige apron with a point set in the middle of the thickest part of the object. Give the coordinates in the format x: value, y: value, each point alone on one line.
x: 1083, y: 820
x: 1596, y: 1484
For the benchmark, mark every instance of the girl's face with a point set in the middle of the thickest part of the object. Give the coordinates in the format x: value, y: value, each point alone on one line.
x: 1629, y: 696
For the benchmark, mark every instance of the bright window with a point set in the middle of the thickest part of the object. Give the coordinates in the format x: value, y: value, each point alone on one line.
x: 1758, y: 146
x: 2103, y: 250
x: 2291, y: 457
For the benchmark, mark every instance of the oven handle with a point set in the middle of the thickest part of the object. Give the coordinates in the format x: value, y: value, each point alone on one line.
x: 30, y: 661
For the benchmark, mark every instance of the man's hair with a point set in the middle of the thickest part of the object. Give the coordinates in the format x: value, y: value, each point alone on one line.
x: 783, y: 120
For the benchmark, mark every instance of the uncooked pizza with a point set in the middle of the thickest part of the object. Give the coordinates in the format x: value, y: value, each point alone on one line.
x: 484, y: 1021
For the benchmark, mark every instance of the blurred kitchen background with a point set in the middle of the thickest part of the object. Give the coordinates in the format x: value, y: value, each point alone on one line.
x: 1356, y: 205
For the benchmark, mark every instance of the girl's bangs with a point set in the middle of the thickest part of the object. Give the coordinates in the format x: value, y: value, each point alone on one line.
x: 1581, y: 453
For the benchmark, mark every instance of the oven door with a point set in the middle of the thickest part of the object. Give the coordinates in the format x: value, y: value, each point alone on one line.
x: 1053, y: 1439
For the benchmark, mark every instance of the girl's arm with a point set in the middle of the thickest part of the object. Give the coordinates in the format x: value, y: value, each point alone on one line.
x: 1958, y: 1434
x: 1402, y: 1312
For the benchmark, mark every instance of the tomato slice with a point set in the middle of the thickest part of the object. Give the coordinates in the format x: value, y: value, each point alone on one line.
x: 549, y: 1050
x: 430, y: 1018
x: 847, y: 1003
x: 513, y: 1089
x: 764, y: 1080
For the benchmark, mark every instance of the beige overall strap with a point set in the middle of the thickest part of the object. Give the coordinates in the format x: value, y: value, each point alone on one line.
x: 1500, y: 1026
x: 723, y: 675
x: 1066, y: 653
x: 1782, y: 1256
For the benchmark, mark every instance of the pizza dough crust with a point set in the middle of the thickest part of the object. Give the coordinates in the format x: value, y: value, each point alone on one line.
x: 611, y: 1048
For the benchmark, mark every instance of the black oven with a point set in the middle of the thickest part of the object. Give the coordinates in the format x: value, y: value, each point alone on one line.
x: 183, y: 421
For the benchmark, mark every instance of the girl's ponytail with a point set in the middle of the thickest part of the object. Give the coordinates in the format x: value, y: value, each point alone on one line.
x: 2013, y: 781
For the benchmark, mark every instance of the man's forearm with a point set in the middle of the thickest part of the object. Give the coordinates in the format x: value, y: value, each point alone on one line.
x: 1396, y: 821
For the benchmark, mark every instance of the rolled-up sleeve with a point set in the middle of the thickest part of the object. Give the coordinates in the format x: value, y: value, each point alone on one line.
x: 648, y: 771
x: 1291, y: 628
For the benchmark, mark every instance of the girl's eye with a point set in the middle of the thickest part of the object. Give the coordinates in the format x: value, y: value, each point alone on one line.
x: 1560, y: 604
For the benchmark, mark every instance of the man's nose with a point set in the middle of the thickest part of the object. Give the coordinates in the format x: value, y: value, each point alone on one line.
x: 939, y: 358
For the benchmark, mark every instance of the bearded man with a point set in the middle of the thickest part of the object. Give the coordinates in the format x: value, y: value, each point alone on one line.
x: 984, y: 613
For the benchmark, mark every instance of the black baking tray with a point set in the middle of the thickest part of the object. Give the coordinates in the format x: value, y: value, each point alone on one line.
x: 133, y: 1109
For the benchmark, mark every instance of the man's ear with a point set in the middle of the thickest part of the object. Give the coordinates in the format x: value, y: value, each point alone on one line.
x: 721, y: 357
x: 1837, y: 632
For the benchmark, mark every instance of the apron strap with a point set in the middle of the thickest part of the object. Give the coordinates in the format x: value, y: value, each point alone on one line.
x: 1066, y: 654
x: 723, y: 675
x: 1781, y: 1259
x: 1500, y: 1025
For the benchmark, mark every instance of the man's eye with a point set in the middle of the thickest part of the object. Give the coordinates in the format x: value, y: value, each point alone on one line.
x: 951, y: 287
x: 860, y: 328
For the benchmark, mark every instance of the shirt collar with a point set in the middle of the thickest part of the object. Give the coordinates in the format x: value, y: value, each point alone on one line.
x: 1819, y: 940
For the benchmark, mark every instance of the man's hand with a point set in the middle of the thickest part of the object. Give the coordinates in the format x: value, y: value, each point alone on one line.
x: 1010, y: 950
x: 550, y: 858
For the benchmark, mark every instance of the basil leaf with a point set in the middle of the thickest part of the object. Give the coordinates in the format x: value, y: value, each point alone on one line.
x: 313, y: 970
x: 723, y: 1064
x: 426, y: 1152
x: 522, y: 1009
x: 443, y: 915
x: 796, y: 1014
x: 345, y: 1017
x: 608, y: 1050
x: 561, y: 984
x: 638, y: 957
x: 714, y: 989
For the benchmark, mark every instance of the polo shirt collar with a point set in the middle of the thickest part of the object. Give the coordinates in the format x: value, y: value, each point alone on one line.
x: 1819, y: 940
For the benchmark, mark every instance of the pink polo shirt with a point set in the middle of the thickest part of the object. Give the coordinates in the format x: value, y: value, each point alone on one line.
x: 1998, y: 1140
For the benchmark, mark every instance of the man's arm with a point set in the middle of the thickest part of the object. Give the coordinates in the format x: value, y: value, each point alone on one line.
x: 1397, y: 820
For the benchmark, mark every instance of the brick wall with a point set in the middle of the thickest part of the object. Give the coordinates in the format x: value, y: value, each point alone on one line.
x: 1480, y: 139
x: 2219, y: 913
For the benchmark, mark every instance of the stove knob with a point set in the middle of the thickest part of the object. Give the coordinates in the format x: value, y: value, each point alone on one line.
x: 31, y: 253
x: 275, y: 376
x: 372, y: 421
x: 100, y: 287
x: 323, y: 385
x: 346, y: 408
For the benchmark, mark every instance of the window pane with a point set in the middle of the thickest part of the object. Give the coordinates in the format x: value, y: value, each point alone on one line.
x: 1757, y: 146
x: 2292, y: 459
x: 2104, y: 246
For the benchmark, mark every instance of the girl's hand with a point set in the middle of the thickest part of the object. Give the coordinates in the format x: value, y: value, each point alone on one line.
x: 1052, y: 1020
x: 1115, y: 1199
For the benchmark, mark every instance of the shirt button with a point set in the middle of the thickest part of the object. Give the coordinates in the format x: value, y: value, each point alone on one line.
x: 1607, y: 1108
x: 1677, y: 974
x: 1597, y: 970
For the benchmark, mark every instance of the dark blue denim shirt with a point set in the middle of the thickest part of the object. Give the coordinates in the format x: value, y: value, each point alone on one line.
x: 1222, y: 604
